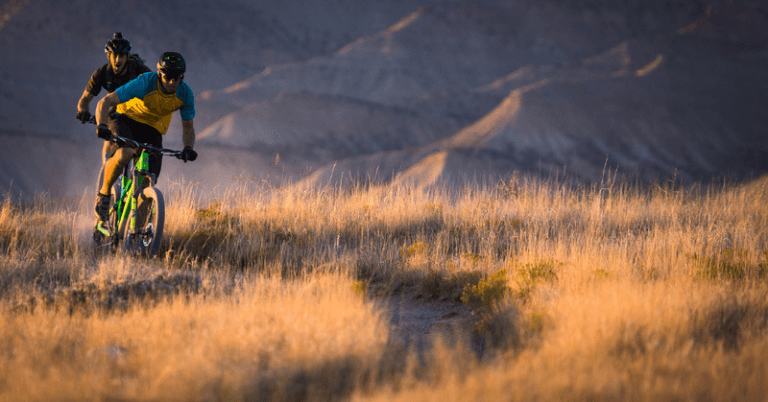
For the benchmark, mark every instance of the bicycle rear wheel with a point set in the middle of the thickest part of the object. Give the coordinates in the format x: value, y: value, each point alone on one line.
x: 149, y: 219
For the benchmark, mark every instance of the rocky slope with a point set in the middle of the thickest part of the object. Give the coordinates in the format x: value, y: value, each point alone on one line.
x: 403, y: 89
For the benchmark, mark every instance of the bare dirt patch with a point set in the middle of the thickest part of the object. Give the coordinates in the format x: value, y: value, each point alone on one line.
x: 418, y: 323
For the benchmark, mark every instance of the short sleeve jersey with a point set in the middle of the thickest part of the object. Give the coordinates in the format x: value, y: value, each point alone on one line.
x: 105, y: 78
x: 143, y: 101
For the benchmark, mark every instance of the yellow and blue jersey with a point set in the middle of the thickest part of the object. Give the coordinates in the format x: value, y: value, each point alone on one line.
x: 143, y: 101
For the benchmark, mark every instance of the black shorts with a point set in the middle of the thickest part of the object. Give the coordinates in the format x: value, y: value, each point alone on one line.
x: 139, y: 132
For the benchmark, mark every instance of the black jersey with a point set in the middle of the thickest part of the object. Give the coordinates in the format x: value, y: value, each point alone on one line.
x: 105, y: 78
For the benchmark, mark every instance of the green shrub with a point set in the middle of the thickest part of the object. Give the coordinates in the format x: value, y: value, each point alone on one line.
x: 600, y: 274
x: 209, y: 213
x: 762, y: 270
x: 201, y: 243
x: 730, y: 266
x: 487, y: 292
x: 360, y: 288
x: 415, y: 249
x: 446, y: 284
x: 531, y: 274
x: 213, y: 215
x: 434, y: 208
x: 472, y: 258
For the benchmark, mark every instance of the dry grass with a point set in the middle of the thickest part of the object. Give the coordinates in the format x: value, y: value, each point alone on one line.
x: 613, y: 291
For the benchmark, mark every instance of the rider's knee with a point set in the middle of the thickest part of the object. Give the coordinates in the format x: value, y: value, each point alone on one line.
x: 109, y: 149
x: 124, y: 155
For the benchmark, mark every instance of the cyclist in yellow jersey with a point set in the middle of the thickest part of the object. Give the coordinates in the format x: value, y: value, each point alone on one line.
x: 144, y: 108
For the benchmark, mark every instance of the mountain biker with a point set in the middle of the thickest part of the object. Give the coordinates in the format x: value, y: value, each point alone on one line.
x: 144, y: 109
x: 122, y: 67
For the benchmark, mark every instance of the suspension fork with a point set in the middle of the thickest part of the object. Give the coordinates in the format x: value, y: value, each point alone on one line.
x: 120, y: 206
x: 139, y: 173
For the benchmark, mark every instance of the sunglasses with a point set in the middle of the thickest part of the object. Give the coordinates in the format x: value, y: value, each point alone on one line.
x: 171, y: 77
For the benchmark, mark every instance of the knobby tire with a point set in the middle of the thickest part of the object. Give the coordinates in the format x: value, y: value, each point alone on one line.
x: 150, y: 217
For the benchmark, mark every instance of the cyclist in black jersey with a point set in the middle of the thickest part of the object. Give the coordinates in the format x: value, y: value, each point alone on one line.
x: 122, y: 67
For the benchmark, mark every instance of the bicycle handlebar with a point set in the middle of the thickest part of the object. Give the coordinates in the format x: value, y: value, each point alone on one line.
x: 134, y: 144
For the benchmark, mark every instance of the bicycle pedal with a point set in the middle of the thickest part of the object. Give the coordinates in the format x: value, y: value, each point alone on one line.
x: 104, y: 228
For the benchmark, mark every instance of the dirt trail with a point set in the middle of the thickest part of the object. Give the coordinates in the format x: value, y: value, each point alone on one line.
x: 417, y: 322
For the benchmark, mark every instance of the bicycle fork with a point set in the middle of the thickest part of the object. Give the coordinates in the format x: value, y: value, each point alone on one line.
x: 140, y: 173
x: 125, y: 205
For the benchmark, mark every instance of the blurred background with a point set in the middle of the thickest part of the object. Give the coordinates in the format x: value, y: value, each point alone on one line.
x: 315, y: 93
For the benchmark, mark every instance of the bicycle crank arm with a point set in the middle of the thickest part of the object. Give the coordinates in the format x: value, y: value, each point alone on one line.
x: 103, y: 230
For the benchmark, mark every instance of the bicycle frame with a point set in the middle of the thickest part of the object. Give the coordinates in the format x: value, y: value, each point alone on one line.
x: 131, y: 185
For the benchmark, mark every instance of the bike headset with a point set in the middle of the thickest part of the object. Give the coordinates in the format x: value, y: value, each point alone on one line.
x: 172, y: 65
x: 118, y: 45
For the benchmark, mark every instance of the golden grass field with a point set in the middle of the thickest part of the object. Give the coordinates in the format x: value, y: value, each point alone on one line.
x: 579, y: 292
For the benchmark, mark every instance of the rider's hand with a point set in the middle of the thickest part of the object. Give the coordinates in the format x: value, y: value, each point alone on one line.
x: 188, y: 154
x: 83, y: 116
x: 102, y: 131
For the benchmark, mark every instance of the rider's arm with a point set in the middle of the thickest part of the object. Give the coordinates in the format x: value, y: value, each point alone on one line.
x: 84, y: 104
x: 104, y: 106
x: 188, y: 133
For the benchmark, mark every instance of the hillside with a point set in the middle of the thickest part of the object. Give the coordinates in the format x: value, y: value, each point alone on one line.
x: 648, y: 115
x: 650, y: 106
x: 288, y: 92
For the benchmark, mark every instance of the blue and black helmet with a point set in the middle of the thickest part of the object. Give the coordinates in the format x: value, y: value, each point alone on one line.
x: 118, y: 45
x: 171, y: 64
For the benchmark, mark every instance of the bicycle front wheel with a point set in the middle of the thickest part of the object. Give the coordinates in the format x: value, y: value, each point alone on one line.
x: 148, y: 219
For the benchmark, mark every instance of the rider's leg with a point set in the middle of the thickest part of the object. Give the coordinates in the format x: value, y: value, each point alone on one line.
x: 106, y: 151
x: 114, y: 167
x: 117, y: 157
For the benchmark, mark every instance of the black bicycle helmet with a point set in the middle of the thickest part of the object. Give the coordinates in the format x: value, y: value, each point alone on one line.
x: 118, y: 44
x: 172, y: 64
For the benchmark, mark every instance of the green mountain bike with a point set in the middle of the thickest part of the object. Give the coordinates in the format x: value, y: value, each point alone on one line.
x: 136, y: 218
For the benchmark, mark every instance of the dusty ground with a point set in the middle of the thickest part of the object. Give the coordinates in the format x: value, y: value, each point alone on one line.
x: 417, y: 322
x: 414, y: 321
